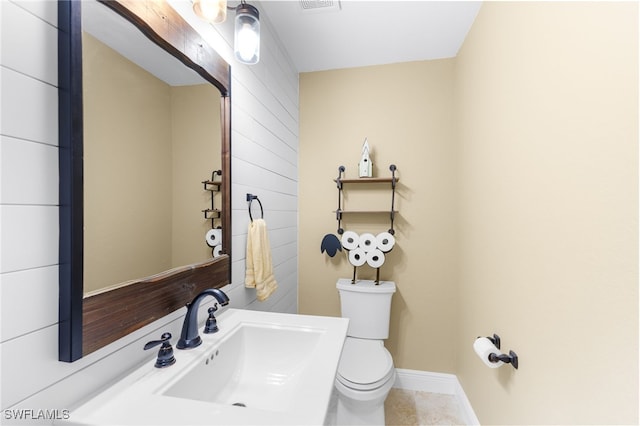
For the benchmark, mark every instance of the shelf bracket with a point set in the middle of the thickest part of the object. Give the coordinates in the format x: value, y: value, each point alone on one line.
x: 393, y: 195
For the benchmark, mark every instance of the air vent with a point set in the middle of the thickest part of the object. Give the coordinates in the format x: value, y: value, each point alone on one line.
x: 320, y: 5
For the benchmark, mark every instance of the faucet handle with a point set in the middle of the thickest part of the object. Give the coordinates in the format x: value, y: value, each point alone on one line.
x: 164, y: 338
x: 165, y: 354
x: 211, y: 325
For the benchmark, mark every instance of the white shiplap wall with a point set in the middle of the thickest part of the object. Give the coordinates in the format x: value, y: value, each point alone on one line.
x: 264, y: 157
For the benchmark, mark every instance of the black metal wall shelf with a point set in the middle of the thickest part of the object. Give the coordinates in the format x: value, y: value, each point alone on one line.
x: 367, y: 180
x: 213, y: 185
x: 210, y: 185
x: 212, y: 213
x: 341, y: 182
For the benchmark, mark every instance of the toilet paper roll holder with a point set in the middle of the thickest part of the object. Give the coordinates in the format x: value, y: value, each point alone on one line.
x: 512, y: 358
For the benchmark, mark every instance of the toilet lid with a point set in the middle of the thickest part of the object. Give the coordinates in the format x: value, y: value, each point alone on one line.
x: 364, y: 362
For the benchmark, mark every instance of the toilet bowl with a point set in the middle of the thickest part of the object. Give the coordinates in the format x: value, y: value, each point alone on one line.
x: 365, y: 372
x: 365, y: 376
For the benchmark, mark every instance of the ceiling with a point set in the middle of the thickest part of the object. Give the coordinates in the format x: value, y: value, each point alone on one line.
x: 354, y: 33
x: 350, y: 33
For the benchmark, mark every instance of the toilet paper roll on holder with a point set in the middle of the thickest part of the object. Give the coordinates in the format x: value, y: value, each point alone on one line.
x: 512, y: 358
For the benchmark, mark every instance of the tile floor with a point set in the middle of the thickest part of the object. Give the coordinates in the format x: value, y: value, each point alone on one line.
x: 407, y: 407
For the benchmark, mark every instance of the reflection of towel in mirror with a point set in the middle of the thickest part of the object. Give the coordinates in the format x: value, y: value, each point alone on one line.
x: 259, y: 265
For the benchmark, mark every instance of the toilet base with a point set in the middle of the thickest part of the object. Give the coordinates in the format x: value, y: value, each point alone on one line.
x: 362, y: 408
x: 350, y: 413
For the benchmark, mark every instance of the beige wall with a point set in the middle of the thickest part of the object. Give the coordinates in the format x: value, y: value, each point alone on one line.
x: 196, y: 153
x: 112, y: 127
x: 405, y: 111
x: 547, y: 119
x: 519, y: 172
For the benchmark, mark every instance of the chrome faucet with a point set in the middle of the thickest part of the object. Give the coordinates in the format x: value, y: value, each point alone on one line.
x: 189, y: 338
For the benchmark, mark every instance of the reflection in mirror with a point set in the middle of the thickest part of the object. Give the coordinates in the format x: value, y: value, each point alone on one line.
x: 116, y: 158
x: 151, y: 136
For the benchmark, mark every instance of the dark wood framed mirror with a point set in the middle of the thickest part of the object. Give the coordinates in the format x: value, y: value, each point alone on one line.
x: 89, y: 321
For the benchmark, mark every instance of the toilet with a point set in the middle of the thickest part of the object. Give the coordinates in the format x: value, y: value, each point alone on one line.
x: 365, y: 372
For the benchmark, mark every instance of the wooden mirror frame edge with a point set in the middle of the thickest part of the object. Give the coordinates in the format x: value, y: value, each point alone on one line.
x: 86, y: 325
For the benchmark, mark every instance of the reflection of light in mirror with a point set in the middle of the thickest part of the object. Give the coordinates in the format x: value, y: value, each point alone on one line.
x: 121, y: 36
x: 214, y: 11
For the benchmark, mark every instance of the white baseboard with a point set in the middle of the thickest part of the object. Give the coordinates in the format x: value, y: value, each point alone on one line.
x: 425, y: 381
x: 447, y: 384
x: 465, y: 406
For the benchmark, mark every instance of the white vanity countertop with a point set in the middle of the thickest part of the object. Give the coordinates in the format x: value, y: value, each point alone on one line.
x: 140, y: 399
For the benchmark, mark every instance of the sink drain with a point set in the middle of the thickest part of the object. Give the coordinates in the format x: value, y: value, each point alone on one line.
x: 239, y: 404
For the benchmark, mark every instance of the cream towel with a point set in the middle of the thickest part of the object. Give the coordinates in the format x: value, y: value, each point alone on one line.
x: 259, y: 265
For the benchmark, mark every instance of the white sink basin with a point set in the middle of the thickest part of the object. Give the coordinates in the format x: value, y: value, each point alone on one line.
x: 258, y: 366
x: 276, y: 368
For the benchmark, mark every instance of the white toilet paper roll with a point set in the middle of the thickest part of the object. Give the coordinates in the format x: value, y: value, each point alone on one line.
x: 385, y: 242
x: 375, y: 258
x: 367, y: 242
x: 350, y: 240
x: 217, y: 251
x: 214, y: 237
x: 484, y: 347
x: 357, y: 257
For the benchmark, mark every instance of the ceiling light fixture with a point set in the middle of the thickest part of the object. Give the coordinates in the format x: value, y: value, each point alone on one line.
x: 247, y: 34
x: 246, y: 44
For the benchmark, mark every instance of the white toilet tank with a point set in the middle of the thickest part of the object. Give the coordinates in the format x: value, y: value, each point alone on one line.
x: 368, y: 307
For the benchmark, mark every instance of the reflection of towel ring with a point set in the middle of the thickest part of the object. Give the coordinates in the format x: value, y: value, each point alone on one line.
x: 250, y: 198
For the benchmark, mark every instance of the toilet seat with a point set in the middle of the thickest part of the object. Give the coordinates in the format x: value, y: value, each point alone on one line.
x: 364, y: 364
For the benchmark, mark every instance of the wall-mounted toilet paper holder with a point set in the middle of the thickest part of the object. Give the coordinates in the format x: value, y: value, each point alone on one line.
x: 512, y: 358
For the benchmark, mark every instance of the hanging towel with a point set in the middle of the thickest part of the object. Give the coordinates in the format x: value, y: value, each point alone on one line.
x: 259, y: 265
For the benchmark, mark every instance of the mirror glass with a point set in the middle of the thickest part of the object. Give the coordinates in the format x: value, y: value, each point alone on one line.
x: 151, y: 137
x: 144, y: 127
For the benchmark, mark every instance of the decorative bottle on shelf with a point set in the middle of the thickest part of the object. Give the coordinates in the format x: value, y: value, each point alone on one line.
x: 365, y: 165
